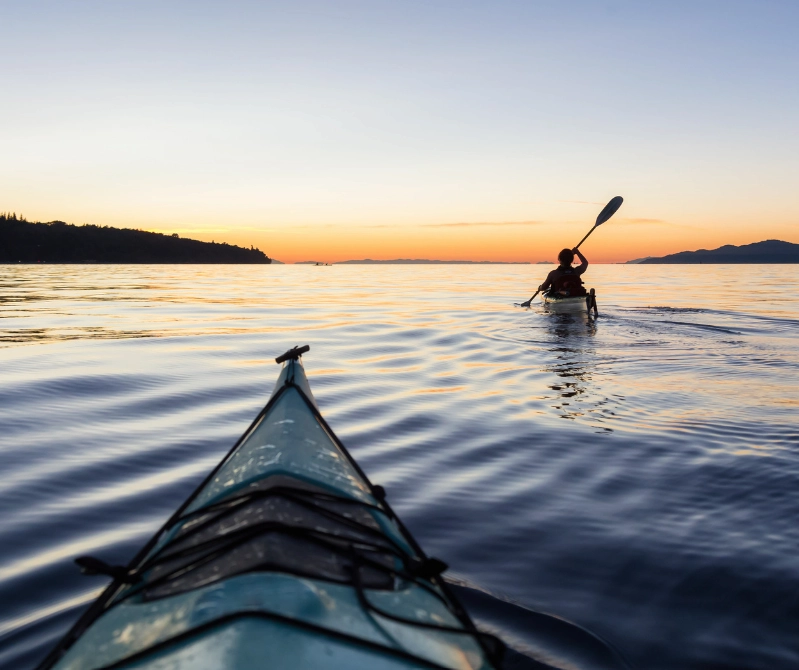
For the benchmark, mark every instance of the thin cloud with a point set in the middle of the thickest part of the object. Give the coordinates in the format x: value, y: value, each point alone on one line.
x: 655, y: 222
x: 459, y: 224
x: 465, y: 224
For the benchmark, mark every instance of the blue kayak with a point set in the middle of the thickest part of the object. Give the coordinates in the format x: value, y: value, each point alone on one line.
x: 285, y: 558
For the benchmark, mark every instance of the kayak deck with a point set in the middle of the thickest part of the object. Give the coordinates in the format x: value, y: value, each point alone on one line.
x: 286, y: 557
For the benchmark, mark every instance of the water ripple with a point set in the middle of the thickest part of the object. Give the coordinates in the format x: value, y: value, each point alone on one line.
x: 636, y: 474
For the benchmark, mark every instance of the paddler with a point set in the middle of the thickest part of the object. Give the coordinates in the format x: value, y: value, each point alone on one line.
x: 565, y: 280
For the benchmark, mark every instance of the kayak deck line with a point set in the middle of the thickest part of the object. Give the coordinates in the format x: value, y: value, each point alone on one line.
x: 268, y: 530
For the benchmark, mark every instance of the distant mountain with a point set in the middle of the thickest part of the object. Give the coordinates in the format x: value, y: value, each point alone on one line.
x: 59, y: 242
x: 634, y: 261
x: 422, y: 261
x: 769, y: 251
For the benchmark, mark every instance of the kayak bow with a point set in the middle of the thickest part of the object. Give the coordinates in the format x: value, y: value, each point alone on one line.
x: 285, y: 557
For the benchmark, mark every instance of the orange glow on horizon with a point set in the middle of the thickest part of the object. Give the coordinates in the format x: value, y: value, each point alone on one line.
x: 519, y: 239
x: 618, y: 243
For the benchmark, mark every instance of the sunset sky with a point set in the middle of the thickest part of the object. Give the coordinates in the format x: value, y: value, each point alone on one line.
x: 440, y: 129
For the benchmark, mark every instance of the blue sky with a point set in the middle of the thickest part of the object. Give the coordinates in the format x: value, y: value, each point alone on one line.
x: 247, y: 121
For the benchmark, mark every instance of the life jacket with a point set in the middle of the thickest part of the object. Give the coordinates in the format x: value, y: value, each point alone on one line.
x: 568, y: 283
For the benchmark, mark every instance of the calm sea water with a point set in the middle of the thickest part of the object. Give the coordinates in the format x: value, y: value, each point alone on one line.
x: 637, y: 474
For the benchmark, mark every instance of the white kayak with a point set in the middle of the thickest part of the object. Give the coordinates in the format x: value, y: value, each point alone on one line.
x: 571, y: 304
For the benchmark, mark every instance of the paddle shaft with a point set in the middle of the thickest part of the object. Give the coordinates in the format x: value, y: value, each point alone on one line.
x: 584, y: 239
x: 527, y: 304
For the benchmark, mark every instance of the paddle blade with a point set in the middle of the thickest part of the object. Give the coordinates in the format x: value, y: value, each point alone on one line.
x: 610, y: 210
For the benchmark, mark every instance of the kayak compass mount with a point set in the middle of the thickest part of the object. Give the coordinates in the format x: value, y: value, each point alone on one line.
x: 293, y: 354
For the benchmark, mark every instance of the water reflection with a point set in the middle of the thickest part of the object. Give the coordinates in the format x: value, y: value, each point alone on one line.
x: 574, y: 363
x: 571, y: 326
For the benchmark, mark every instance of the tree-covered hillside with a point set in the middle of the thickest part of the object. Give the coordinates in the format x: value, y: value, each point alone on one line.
x: 59, y: 242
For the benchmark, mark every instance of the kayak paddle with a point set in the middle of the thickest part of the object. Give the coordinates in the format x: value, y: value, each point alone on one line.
x: 609, y: 210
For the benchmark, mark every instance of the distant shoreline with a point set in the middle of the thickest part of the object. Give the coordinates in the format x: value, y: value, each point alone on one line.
x: 15, y: 263
x: 767, y: 252
x: 57, y: 242
x: 422, y: 261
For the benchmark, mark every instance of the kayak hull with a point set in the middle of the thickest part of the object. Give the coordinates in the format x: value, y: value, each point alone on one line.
x: 571, y: 305
x: 286, y: 553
